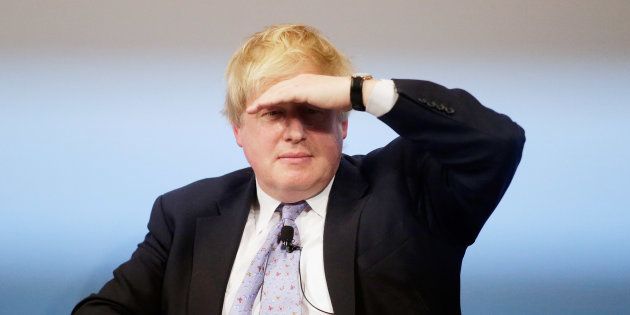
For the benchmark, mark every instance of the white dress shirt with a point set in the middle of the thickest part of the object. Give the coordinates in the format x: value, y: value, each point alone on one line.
x: 310, y: 223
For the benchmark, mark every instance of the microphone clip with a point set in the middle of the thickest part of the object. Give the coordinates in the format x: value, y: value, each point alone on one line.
x: 290, y: 248
x: 286, y: 239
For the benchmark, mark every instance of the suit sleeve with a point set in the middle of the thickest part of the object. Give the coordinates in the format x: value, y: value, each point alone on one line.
x: 137, y: 284
x: 460, y: 155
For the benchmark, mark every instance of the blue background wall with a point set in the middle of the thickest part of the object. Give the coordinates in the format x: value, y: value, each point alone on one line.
x: 105, y: 106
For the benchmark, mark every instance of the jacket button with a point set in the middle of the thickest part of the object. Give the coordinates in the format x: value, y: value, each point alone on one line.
x: 450, y: 110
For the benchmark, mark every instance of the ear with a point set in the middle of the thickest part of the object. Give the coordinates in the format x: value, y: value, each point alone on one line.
x: 344, y: 128
x: 237, y: 135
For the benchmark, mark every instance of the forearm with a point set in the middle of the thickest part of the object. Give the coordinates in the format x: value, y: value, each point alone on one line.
x: 452, y: 125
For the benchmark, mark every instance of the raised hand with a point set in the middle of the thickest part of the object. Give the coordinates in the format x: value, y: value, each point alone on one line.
x: 321, y: 91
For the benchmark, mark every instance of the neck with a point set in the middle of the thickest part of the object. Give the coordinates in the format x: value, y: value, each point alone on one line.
x: 292, y: 196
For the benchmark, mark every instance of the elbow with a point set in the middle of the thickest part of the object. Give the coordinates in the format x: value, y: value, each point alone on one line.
x: 510, y: 142
x: 516, y: 142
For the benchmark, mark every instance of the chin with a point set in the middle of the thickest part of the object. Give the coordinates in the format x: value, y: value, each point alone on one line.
x: 300, y: 187
x: 297, y: 185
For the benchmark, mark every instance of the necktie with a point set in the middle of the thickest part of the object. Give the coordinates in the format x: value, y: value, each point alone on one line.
x: 277, y: 268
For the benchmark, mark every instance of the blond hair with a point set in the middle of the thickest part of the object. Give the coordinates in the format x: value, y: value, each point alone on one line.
x: 273, y: 54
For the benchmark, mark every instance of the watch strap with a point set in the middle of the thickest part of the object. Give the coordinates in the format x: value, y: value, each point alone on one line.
x: 356, y: 91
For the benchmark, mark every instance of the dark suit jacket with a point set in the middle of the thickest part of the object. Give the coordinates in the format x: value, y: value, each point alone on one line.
x: 398, y: 223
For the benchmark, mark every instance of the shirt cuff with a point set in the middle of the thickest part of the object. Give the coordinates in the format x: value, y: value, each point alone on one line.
x: 382, y: 98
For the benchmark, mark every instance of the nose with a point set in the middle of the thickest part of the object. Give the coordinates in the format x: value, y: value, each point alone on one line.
x: 294, y: 130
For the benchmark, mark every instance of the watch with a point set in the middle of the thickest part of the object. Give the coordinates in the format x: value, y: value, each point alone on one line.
x: 356, y: 90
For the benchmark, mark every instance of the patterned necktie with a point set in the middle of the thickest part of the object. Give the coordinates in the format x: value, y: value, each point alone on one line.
x: 281, y: 293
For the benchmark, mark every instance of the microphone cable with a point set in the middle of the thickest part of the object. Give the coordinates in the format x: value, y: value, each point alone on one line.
x: 302, y: 287
x: 286, y: 238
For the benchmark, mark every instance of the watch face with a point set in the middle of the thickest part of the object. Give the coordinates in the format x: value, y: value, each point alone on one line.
x: 365, y: 76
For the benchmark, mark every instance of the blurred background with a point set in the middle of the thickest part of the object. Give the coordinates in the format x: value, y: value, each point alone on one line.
x: 104, y: 105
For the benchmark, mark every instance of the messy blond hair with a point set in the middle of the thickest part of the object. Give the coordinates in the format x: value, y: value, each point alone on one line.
x: 273, y: 54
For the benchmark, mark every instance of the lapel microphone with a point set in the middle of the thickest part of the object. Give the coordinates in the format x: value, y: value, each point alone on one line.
x: 286, y: 238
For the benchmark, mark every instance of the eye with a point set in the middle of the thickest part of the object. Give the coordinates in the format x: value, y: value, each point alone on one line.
x: 271, y: 114
x: 313, y: 116
x: 314, y: 111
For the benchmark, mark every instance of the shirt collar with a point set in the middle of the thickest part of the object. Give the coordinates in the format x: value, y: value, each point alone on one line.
x: 319, y: 202
x: 267, y: 205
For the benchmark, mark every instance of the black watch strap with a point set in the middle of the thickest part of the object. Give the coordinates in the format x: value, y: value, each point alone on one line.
x: 356, y: 91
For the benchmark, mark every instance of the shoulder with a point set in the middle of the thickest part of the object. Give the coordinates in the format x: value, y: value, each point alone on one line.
x: 202, y: 195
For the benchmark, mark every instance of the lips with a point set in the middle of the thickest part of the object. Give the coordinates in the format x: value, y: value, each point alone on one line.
x: 295, y: 157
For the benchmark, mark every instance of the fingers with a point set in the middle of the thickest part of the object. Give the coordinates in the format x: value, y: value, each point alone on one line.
x: 321, y: 91
x: 269, y: 100
x: 288, y: 91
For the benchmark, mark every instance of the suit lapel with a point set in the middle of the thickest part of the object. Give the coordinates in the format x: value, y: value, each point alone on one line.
x: 216, y: 242
x: 217, y: 239
x: 340, y: 233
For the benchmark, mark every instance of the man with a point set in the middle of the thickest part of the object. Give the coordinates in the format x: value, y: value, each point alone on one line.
x: 382, y: 233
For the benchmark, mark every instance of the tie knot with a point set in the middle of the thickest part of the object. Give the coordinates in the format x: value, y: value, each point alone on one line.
x: 290, y: 211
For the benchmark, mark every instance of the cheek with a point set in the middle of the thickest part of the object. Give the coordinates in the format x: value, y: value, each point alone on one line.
x: 329, y: 147
x: 259, y: 149
x: 333, y: 133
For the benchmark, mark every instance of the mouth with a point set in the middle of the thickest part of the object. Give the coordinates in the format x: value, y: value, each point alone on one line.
x: 295, y: 157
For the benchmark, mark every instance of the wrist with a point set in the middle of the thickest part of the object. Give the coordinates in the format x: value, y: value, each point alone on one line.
x: 360, y: 90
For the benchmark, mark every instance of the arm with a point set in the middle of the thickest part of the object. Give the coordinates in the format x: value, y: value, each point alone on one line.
x: 137, y: 284
x: 461, y: 155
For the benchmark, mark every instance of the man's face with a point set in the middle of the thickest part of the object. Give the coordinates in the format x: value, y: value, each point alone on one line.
x: 294, y: 149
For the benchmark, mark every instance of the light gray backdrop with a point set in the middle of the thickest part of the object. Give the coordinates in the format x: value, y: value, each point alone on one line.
x: 104, y: 105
